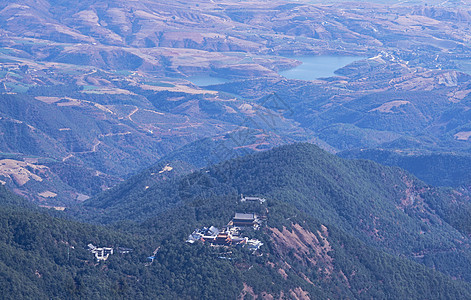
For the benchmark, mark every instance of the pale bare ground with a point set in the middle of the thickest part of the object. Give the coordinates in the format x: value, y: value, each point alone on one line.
x: 93, y: 150
x: 463, y: 135
x: 388, y: 106
x: 67, y: 31
x: 448, y: 79
x: 457, y: 96
x: 247, y: 290
x: 82, y: 197
x: 71, y: 102
x: 187, y: 124
x: 306, y: 245
x: 282, y: 273
x: 229, y: 109
x: 88, y: 16
x: 67, y: 157
x: 299, y: 294
x: 118, y: 17
x: 74, y: 102
x: 132, y: 113
x: 59, y: 208
x: 154, y: 112
x: 424, y: 81
x: 247, y: 109
x: 52, y: 100
x: 416, y: 20
x: 19, y: 171
x: 47, y: 194
x: 253, y: 147
x: 167, y: 168
x: 109, y: 91
x: 116, y: 134
x: 48, y: 100
x: 103, y: 108
x: 177, y: 88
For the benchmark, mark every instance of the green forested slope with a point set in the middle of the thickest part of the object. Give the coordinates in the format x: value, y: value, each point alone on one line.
x: 385, y: 207
x: 43, y: 257
x: 440, y: 169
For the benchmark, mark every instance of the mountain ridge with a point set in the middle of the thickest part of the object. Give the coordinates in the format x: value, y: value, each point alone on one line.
x: 300, y: 258
x: 385, y: 207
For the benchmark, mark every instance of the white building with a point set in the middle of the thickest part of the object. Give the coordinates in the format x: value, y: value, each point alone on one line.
x: 252, y: 199
x: 101, y: 253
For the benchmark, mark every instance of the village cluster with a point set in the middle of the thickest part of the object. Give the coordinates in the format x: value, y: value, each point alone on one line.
x: 230, y: 234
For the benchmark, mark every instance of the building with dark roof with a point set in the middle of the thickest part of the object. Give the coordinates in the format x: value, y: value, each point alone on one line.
x: 243, y: 220
x: 223, y: 238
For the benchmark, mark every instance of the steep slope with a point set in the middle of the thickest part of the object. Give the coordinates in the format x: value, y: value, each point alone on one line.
x: 108, y: 84
x: 74, y: 145
x: 189, y: 158
x: 301, y: 257
x: 383, y: 206
x: 45, y: 257
x: 439, y: 169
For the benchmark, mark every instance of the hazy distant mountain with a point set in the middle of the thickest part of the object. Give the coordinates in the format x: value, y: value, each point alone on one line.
x: 114, y: 104
x: 439, y: 169
x: 94, y: 91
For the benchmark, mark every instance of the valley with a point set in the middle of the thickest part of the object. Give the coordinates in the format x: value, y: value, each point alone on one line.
x: 127, y: 68
x: 130, y: 132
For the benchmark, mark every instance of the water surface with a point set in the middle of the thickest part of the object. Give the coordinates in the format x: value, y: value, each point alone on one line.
x: 314, y: 67
x: 203, y: 80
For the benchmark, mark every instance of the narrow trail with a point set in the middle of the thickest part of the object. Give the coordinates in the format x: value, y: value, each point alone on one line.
x: 132, y: 113
x: 67, y: 157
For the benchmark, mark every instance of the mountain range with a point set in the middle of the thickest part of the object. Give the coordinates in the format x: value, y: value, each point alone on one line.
x: 126, y: 126
x: 105, y: 89
x: 323, y: 237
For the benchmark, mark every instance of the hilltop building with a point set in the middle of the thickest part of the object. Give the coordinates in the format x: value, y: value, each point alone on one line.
x: 223, y: 238
x: 252, y: 199
x: 254, y: 244
x: 122, y: 250
x: 204, y: 234
x: 245, y: 220
x: 214, y: 236
x: 101, y: 253
x: 228, y: 236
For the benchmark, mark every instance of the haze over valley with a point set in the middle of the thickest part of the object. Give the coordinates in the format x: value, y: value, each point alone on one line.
x: 143, y: 121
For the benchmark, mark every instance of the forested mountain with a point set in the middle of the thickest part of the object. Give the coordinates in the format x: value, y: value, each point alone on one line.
x: 60, y: 149
x: 302, y: 257
x: 127, y: 125
x: 43, y: 257
x: 439, y: 169
x: 385, y: 207
x: 94, y: 91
